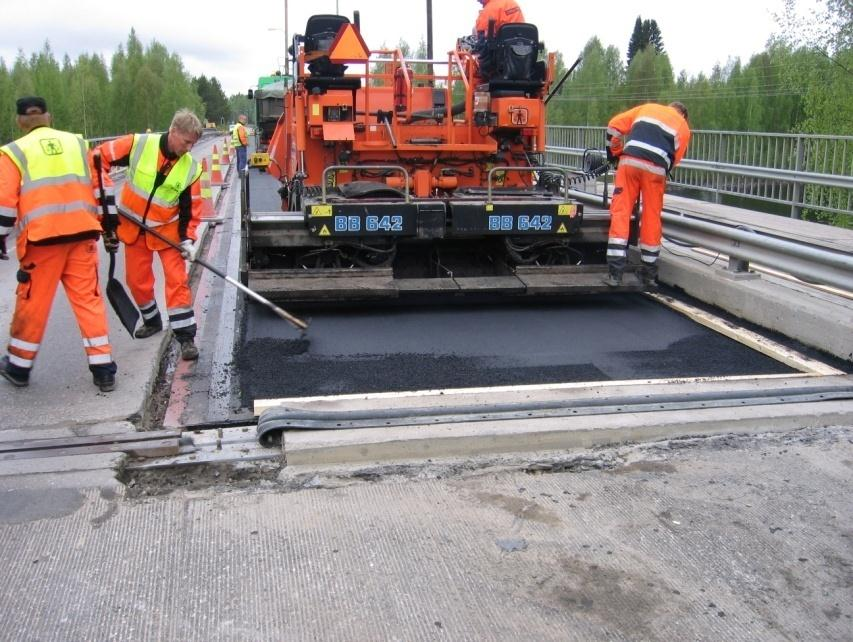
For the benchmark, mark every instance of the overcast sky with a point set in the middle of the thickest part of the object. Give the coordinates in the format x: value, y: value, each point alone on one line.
x: 233, y: 41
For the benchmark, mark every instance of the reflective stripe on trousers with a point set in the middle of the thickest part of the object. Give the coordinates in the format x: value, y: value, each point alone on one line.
x: 139, y: 274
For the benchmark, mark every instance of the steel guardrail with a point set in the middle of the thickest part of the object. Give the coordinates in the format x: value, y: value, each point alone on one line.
x: 811, y: 263
x: 796, y: 171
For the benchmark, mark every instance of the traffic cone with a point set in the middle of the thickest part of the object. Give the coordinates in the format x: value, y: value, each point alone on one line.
x: 207, y: 210
x: 215, y: 170
x: 226, y: 159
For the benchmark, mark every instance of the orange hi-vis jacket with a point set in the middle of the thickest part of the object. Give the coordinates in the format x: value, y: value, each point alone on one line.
x: 168, y: 212
x: 501, y: 11
x: 46, y: 188
x: 653, y: 137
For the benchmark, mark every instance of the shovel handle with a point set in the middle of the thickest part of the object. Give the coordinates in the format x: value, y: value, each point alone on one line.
x: 299, y: 323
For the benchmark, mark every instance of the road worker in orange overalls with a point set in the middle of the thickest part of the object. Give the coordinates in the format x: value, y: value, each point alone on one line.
x: 162, y: 190
x: 501, y: 11
x: 47, y: 194
x: 648, y: 141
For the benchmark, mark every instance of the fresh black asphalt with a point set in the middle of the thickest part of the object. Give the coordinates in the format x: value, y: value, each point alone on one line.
x: 600, y: 338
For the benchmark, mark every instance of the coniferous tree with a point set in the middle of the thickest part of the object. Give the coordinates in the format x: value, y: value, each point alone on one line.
x: 211, y: 94
x: 646, y: 34
x: 649, y: 77
x: 7, y: 99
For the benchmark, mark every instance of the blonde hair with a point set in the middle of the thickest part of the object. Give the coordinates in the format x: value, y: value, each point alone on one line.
x: 186, y: 122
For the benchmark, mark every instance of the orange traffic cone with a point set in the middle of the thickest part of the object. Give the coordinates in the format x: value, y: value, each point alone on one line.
x: 215, y: 171
x: 225, y: 160
x: 207, y: 210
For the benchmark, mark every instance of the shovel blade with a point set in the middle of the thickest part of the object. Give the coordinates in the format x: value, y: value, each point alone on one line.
x: 123, y: 305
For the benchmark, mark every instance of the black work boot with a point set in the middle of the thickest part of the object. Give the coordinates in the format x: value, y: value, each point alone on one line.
x: 104, y: 376
x: 614, y: 278
x: 148, y: 329
x: 16, y: 375
x: 189, y: 352
x: 649, y: 274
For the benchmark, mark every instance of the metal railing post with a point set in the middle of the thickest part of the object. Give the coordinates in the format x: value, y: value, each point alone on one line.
x: 718, y: 177
x: 797, y: 197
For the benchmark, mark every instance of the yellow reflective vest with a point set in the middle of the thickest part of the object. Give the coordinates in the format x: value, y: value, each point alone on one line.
x: 162, y: 213
x: 56, y: 197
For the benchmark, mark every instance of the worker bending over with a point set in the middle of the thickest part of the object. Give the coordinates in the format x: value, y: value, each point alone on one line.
x: 162, y: 191
x: 648, y: 142
x: 47, y: 192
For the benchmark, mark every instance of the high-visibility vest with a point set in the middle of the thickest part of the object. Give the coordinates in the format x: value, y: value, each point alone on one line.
x: 162, y: 213
x: 235, y: 135
x: 56, y: 197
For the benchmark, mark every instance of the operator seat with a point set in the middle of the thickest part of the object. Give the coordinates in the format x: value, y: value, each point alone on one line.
x: 320, y: 32
x: 509, y: 61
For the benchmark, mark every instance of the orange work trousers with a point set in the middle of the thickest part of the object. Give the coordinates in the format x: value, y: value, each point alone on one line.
x: 41, y: 269
x: 139, y: 274
x: 631, y: 182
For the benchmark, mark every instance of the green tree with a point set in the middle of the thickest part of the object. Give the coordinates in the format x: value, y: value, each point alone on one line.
x: 646, y: 34
x: 7, y: 99
x: 649, y: 78
x: 589, y: 96
x: 821, y: 70
x: 88, y: 91
x: 211, y: 94
x: 240, y: 104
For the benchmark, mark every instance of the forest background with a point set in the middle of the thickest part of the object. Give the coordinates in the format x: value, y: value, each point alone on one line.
x: 801, y: 83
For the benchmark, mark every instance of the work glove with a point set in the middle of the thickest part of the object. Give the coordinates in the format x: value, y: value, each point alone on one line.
x: 186, y: 247
x: 466, y: 43
x: 110, y: 242
x: 3, y: 255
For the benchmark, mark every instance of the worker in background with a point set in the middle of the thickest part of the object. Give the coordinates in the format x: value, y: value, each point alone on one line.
x: 648, y: 142
x: 501, y: 11
x: 240, y: 142
x: 162, y: 191
x: 47, y: 193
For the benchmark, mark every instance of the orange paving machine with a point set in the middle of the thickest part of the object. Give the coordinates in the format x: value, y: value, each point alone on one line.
x: 403, y: 179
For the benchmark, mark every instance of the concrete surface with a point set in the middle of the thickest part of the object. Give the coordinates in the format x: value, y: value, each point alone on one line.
x: 732, y: 538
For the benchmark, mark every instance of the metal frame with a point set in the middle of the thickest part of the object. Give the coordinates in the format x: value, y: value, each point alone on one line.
x: 795, y: 171
x: 355, y: 168
x: 808, y: 262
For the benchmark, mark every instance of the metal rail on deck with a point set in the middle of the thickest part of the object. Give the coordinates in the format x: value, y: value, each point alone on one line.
x: 808, y: 262
x: 797, y: 171
x: 811, y: 263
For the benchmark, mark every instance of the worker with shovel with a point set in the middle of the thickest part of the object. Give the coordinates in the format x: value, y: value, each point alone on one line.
x: 47, y: 194
x: 162, y: 192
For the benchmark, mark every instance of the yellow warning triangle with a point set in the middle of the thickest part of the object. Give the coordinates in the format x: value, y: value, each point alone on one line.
x: 324, y: 231
x: 562, y: 229
x: 348, y: 46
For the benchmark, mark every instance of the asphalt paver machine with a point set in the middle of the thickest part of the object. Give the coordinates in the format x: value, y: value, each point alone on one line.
x: 404, y: 179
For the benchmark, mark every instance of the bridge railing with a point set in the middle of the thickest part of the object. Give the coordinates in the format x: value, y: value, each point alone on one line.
x: 794, y: 171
